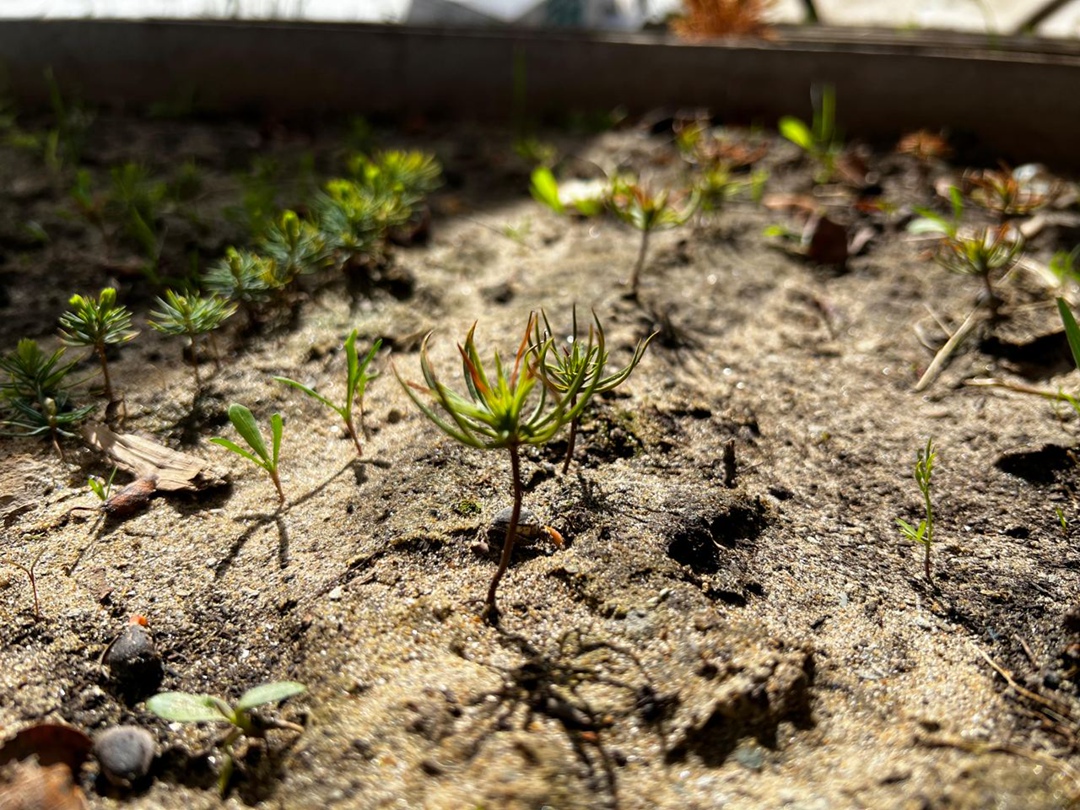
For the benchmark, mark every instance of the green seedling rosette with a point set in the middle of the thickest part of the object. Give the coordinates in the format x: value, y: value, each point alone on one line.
x: 184, y: 707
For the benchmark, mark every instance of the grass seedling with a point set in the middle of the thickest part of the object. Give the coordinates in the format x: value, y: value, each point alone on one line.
x: 924, y: 532
x: 356, y: 379
x: 29, y: 571
x: 97, y: 325
x: 647, y: 212
x: 563, y: 365
x: 244, y: 423
x: 512, y: 409
x: 184, y: 707
x: 819, y: 139
x: 191, y: 315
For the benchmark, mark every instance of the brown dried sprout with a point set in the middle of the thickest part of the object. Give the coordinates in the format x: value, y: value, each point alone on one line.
x: 924, y: 145
x: 719, y: 18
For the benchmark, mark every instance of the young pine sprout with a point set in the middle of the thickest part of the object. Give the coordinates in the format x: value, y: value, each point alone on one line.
x: 508, y: 410
x: 242, y: 276
x: 356, y: 379
x: 296, y: 247
x: 191, y: 315
x: 983, y: 253
x: 561, y: 367
x: 244, y: 423
x: 35, y: 390
x: 183, y: 707
x: 924, y: 532
x: 97, y: 325
x: 647, y: 212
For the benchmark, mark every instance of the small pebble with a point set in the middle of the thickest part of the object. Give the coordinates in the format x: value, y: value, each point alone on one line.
x: 125, y: 754
x: 134, y: 661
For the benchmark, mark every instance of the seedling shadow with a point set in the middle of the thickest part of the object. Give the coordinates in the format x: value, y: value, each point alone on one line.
x: 547, y: 683
x: 262, y: 519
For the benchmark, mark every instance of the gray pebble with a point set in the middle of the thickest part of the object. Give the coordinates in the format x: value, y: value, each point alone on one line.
x: 125, y: 753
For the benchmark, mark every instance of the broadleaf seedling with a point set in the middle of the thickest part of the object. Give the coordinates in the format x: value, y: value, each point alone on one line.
x: 356, y: 379
x: 184, y: 707
x: 506, y: 411
x: 244, y: 422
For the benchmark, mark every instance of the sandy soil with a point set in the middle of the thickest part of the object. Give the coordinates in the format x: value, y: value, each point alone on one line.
x: 700, y: 641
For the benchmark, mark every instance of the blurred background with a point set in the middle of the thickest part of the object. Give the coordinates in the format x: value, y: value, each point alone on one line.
x: 1056, y: 18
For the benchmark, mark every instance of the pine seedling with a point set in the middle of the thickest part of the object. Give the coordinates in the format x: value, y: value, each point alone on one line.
x: 35, y: 390
x: 561, y: 366
x: 295, y: 246
x: 983, y: 253
x: 245, y: 277
x: 97, y: 325
x: 258, y: 455
x: 924, y: 532
x: 647, y: 212
x: 184, y: 707
x: 191, y: 315
x: 507, y: 411
x: 356, y: 379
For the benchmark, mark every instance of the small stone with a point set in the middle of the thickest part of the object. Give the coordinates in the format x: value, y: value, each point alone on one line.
x: 134, y: 662
x: 125, y: 754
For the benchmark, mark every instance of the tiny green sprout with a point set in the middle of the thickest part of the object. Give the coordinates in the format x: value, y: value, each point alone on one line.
x: 102, y: 488
x: 1062, y: 520
x: 932, y: 222
x: 561, y: 368
x: 244, y: 423
x: 356, y: 379
x: 184, y: 707
x: 587, y: 199
x: 191, y: 315
x: 1072, y: 330
x: 98, y: 325
x: 508, y: 411
x: 924, y: 532
x: 545, y: 189
x: 647, y: 212
x: 819, y: 139
x: 1065, y: 266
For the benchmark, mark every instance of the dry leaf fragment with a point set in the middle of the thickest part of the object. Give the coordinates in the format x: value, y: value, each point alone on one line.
x: 169, y: 470
x: 32, y: 787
